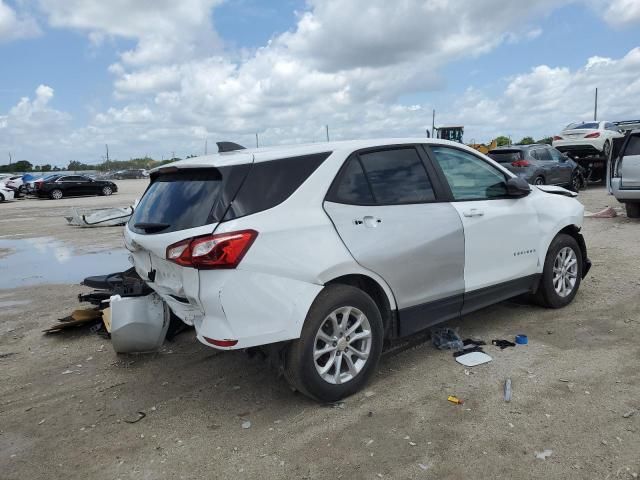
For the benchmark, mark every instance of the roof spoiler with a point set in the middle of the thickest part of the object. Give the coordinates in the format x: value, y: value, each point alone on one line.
x: 229, y: 147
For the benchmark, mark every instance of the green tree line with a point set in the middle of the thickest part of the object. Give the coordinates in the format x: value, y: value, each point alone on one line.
x: 74, y: 165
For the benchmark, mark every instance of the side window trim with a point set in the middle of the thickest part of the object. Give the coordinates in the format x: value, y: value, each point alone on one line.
x: 443, y: 179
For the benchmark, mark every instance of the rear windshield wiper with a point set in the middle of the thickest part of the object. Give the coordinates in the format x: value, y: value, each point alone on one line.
x: 151, y: 227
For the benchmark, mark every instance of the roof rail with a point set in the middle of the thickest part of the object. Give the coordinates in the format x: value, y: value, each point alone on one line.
x: 229, y: 147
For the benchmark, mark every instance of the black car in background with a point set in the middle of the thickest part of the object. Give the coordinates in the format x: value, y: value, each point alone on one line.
x: 58, y: 186
x: 129, y: 174
x: 540, y: 164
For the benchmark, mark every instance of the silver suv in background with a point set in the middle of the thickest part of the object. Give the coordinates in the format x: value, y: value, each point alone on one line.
x: 623, y: 181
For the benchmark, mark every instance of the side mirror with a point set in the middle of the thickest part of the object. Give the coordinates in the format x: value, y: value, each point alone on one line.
x: 518, y: 187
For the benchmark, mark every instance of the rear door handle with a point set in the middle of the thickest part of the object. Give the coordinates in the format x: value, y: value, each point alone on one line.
x: 473, y: 212
x: 368, y: 221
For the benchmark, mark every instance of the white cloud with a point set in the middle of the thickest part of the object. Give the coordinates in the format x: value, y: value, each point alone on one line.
x: 165, y: 30
x: 346, y: 64
x: 623, y: 13
x: 14, y: 26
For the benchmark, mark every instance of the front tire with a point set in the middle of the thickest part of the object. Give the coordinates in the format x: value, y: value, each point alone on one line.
x: 538, y: 181
x: 633, y: 210
x: 56, y: 194
x: 106, y: 191
x: 562, y: 273
x: 339, y: 347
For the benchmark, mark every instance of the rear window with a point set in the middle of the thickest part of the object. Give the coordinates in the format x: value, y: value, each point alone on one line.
x: 633, y: 147
x: 191, y: 198
x: 186, y: 199
x: 505, y: 156
x: 592, y: 125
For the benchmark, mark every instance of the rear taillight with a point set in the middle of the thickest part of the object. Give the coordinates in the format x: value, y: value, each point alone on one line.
x: 221, y: 343
x: 557, y: 137
x: 223, y: 250
x: 593, y: 135
x: 520, y: 163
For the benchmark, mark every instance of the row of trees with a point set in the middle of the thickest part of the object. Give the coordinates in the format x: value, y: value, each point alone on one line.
x: 503, y: 140
x: 75, y: 166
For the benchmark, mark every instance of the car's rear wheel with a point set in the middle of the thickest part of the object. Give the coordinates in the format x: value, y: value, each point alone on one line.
x: 633, y: 210
x: 56, y: 194
x: 1, y: 197
x: 562, y: 273
x: 606, y: 149
x: 538, y: 181
x: 339, y: 347
x: 106, y: 191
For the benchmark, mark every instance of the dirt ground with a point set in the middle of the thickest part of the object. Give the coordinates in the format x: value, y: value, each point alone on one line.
x: 65, y: 399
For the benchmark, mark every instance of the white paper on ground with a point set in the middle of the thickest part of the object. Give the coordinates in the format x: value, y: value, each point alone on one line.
x: 474, y: 358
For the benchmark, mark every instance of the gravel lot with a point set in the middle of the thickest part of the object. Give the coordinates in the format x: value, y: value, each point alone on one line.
x: 574, y: 385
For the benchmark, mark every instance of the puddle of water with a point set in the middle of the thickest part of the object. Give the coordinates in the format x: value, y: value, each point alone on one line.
x: 34, y: 261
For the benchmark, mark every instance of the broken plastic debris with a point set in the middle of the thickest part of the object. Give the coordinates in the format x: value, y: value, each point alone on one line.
x: 474, y: 358
x: 246, y: 424
x: 629, y: 413
x: 544, y: 454
x: 67, y: 372
x: 606, y: 213
x: 456, y: 400
x: 446, y: 339
x: 141, y: 415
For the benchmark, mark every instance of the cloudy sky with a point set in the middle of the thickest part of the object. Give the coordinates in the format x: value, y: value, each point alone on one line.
x: 158, y: 77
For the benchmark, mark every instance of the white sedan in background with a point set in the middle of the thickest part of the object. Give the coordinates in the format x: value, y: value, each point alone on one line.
x: 5, y: 193
x: 587, y: 138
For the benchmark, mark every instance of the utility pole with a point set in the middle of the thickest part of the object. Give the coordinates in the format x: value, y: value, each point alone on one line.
x: 326, y: 127
x: 257, y: 142
x: 433, y: 124
x: 10, y: 159
x: 595, y: 108
x: 107, y: 148
x: 205, y: 146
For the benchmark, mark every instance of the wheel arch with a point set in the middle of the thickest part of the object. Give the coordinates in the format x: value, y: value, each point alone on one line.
x: 385, y: 302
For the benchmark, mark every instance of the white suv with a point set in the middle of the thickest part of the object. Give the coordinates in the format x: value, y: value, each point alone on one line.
x: 321, y: 253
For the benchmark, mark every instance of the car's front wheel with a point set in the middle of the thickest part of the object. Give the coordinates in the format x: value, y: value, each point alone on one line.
x: 562, y: 273
x: 538, y: 181
x: 339, y: 347
x: 107, y: 190
x: 576, y: 182
x: 56, y: 194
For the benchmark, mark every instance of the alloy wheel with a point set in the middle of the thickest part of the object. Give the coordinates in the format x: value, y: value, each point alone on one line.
x: 539, y: 181
x: 342, y: 345
x: 106, y: 191
x: 565, y: 271
x: 56, y: 194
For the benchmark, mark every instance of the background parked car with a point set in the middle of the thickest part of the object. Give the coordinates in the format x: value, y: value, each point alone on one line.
x: 587, y: 138
x: 540, y: 164
x: 5, y: 193
x: 58, y: 186
x: 16, y: 182
x: 130, y: 174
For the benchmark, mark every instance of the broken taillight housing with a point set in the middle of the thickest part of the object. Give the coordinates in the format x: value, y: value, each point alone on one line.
x: 222, y: 250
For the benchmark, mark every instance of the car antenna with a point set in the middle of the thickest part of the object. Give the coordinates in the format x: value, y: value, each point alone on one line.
x: 228, y: 147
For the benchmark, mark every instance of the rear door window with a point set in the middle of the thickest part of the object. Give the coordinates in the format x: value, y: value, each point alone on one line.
x: 505, y: 156
x: 353, y: 187
x: 397, y: 176
x: 542, y: 154
x: 633, y: 147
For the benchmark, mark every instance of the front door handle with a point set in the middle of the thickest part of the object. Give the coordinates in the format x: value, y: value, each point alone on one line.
x: 473, y: 212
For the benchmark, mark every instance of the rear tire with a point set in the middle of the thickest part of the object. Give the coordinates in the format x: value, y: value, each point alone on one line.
x: 633, y: 210
x: 606, y: 148
x: 1, y: 198
x: 562, y: 273
x: 339, y: 347
x: 56, y: 194
x: 538, y: 181
x: 576, y: 182
x: 106, y: 191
